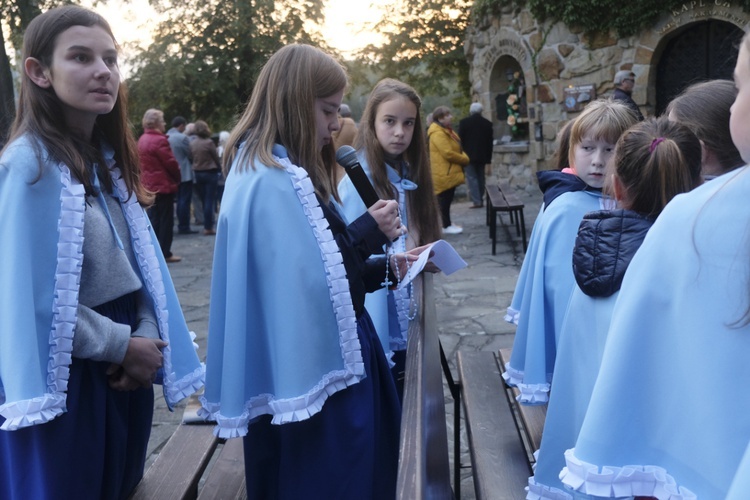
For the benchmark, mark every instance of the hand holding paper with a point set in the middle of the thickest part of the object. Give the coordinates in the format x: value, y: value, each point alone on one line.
x: 441, y: 254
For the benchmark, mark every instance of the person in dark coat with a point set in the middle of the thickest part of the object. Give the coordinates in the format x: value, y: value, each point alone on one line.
x: 624, y: 83
x: 475, y: 132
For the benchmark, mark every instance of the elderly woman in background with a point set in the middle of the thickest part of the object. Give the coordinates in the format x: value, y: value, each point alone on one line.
x: 160, y: 174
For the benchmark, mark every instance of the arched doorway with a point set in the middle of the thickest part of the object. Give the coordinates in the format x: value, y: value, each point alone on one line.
x: 702, y: 51
x: 506, y: 79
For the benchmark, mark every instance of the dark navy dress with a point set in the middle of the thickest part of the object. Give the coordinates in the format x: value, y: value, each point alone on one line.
x: 349, y: 450
x: 96, y: 450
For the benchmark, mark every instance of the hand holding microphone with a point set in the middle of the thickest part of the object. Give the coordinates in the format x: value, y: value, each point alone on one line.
x: 385, y: 213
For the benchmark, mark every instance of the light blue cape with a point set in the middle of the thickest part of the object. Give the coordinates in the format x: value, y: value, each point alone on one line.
x: 542, y: 293
x: 669, y: 415
x: 42, y: 235
x: 282, y: 327
x: 579, y: 354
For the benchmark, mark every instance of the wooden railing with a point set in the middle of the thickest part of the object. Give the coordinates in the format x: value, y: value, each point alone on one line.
x: 424, y: 468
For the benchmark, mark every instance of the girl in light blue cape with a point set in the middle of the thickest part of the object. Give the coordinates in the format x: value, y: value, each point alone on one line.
x: 294, y: 365
x: 654, y: 161
x: 395, y: 159
x: 90, y: 318
x: 668, y: 416
x: 546, y: 279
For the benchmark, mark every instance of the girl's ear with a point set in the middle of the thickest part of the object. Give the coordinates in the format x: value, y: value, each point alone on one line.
x: 36, y: 72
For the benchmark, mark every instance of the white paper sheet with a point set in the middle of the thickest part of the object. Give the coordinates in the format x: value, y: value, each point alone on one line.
x: 444, y: 256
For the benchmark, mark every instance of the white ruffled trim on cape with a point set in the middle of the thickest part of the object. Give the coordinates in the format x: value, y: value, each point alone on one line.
x: 64, y: 313
x: 512, y: 316
x: 305, y: 406
x: 143, y: 247
x: 539, y: 491
x: 617, y: 482
x: 530, y: 394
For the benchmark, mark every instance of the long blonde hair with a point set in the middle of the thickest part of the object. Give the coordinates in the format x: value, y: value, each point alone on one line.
x: 281, y: 110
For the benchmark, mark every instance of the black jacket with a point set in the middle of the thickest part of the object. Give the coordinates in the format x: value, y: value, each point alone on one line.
x: 606, y: 243
x: 553, y: 183
x: 475, y: 133
x: 620, y: 95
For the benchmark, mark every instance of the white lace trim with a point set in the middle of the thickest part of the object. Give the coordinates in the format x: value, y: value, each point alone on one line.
x: 143, y: 247
x: 512, y: 376
x: 616, y: 482
x: 512, y: 316
x: 64, y: 312
x: 539, y: 491
x: 303, y: 407
x: 530, y: 394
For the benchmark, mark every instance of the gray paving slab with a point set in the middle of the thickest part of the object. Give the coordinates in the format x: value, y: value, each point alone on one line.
x: 471, y: 303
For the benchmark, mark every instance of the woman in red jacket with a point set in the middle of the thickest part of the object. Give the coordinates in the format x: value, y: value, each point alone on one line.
x: 160, y: 174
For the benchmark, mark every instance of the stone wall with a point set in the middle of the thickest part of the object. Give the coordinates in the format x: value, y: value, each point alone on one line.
x: 553, y: 57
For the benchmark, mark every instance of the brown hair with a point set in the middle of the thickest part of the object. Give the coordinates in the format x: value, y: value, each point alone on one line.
x: 422, y: 204
x: 201, y: 129
x: 603, y: 119
x: 704, y: 108
x: 282, y: 109
x: 654, y: 161
x: 440, y: 112
x: 561, y: 158
x: 40, y: 113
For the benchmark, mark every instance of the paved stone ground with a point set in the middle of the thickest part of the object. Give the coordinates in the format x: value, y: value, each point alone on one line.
x: 470, y: 309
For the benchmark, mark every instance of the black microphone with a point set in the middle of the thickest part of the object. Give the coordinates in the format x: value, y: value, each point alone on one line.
x: 346, y: 156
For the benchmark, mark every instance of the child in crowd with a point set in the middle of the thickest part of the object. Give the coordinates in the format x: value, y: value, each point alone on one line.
x: 654, y: 161
x: 90, y: 316
x: 546, y: 279
x: 395, y: 159
x: 294, y: 364
x: 668, y: 417
x: 704, y: 108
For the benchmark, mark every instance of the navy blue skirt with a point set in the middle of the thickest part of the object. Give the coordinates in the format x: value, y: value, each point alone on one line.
x: 348, y: 450
x: 96, y: 450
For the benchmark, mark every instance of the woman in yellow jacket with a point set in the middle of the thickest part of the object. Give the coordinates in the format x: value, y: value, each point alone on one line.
x: 447, y: 160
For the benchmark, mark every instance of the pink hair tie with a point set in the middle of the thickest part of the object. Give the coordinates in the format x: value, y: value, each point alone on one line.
x: 655, y: 143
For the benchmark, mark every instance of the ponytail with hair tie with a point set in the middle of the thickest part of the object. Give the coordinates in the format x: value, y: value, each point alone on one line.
x: 655, y: 143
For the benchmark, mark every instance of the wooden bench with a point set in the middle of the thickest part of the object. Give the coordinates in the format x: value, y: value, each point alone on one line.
x: 503, y: 435
x: 500, y: 198
x: 194, y: 464
x: 192, y: 453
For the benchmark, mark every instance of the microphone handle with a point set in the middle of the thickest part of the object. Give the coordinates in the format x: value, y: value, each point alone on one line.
x: 362, y: 184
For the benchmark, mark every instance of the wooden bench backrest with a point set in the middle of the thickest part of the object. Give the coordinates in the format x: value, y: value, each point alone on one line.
x: 424, y: 468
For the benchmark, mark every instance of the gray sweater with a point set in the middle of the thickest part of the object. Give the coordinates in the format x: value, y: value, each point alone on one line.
x: 107, y: 273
